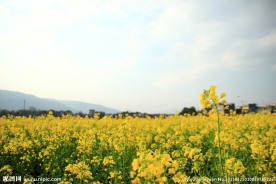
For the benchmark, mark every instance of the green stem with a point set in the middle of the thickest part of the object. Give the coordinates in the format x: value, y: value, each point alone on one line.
x: 220, y: 157
x: 83, y: 159
x: 257, y: 170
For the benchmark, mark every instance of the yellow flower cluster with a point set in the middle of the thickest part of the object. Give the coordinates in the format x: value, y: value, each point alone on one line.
x: 234, y: 167
x: 209, y: 97
x: 152, y: 166
x: 6, y: 170
x: 108, y: 160
x: 80, y: 171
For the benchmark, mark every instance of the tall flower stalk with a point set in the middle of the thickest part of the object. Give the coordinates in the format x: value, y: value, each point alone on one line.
x: 207, y: 99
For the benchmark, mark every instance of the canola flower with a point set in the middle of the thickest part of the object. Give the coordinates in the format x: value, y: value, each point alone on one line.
x: 138, y: 150
x: 208, y: 98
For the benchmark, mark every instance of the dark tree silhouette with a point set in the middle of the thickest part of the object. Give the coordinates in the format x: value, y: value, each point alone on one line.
x: 187, y: 110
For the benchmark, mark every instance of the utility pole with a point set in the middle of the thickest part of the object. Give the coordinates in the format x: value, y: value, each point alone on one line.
x: 24, y: 107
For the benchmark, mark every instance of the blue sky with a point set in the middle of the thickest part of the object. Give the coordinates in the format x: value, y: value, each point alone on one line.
x: 147, y: 55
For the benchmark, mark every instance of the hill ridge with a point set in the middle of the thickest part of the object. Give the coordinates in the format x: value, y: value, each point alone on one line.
x: 14, y: 100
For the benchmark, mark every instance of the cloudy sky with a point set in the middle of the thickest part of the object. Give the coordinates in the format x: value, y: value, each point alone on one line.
x: 144, y: 55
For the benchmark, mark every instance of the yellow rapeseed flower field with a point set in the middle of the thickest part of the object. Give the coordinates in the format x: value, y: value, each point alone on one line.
x: 138, y: 150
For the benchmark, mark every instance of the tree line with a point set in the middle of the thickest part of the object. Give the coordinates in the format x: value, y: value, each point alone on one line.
x: 35, y: 113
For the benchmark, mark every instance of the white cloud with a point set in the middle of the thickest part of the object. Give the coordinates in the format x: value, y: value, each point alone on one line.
x: 135, y: 31
x: 274, y: 67
x: 200, y: 33
x: 133, y: 45
x: 169, y: 25
x: 5, y: 12
x: 268, y: 42
x: 181, y: 78
x: 95, y: 28
x: 252, y: 52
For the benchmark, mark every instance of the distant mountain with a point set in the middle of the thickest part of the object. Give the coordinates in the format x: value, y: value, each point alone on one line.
x: 12, y: 100
x: 84, y: 107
